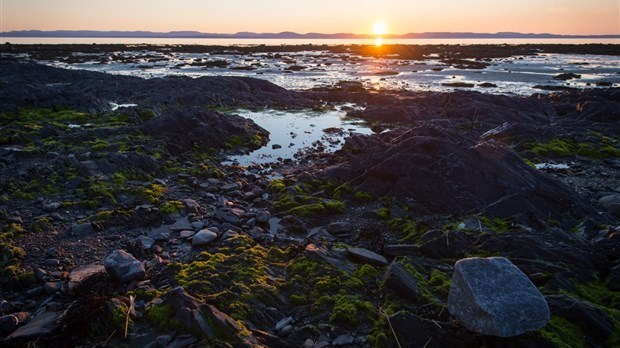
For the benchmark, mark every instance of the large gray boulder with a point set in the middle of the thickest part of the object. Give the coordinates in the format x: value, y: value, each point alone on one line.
x: 124, y: 267
x: 492, y: 296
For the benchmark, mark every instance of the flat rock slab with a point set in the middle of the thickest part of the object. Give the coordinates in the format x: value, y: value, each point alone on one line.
x: 493, y: 297
x: 338, y: 228
x: 366, y: 256
x: 80, y: 274
x: 44, y: 324
x: 180, y: 225
x: 401, y: 250
x: 402, y: 282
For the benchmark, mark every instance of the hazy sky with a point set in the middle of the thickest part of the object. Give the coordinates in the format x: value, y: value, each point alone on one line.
x: 325, y: 16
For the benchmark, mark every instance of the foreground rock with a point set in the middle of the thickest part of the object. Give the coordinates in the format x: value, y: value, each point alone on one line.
x: 447, y: 173
x: 124, y: 267
x: 492, y: 296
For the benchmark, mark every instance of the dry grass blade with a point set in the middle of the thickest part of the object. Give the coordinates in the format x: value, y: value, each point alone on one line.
x: 387, y: 317
x: 129, y: 310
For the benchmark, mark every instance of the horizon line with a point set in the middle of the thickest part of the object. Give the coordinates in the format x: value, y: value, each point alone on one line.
x: 290, y: 34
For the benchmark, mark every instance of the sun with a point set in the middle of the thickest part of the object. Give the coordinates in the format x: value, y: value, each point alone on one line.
x: 380, y: 28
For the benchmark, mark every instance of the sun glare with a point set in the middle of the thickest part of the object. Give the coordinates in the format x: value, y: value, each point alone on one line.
x: 380, y: 28
x: 378, y: 41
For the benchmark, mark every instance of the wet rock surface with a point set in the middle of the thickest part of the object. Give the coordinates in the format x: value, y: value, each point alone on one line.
x: 128, y: 216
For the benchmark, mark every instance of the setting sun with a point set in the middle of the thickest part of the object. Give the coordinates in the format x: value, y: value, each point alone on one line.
x: 380, y: 28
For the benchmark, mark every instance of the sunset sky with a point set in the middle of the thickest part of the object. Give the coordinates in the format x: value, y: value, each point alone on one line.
x: 325, y: 16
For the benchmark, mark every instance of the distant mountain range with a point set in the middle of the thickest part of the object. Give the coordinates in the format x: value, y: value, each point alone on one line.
x: 290, y: 35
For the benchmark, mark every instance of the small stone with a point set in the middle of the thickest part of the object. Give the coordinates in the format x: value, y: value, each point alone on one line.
x: 191, y: 205
x: 198, y: 225
x: 226, y: 215
x: 343, y: 340
x: 52, y: 287
x: 124, y: 267
x: 263, y: 216
x: 144, y: 242
x: 308, y: 343
x: 283, y: 322
x: 231, y: 187
x: 493, y: 297
x: 276, y: 146
x: 186, y: 234
x: 79, y: 275
x: 81, y: 230
x: 366, y: 256
x: 611, y: 204
x: 340, y: 228
x: 203, y: 237
x: 52, y: 262
x: 52, y: 206
x: 285, y: 330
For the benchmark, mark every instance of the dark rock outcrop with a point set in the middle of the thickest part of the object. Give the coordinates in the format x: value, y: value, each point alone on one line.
x: 444, y: 175
x: 186, y: 128
x: 40, y: 86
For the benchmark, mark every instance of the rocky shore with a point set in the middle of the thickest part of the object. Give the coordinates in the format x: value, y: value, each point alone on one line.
x: 475, y: 220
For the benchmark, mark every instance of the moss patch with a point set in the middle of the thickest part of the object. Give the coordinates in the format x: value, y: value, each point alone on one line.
x: 567, y: 148
x: 233, y: 278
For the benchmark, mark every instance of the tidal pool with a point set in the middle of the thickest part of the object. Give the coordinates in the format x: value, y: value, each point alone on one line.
x: 296, y: 131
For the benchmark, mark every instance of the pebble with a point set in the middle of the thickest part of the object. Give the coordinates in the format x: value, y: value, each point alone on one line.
x: 186, y: 234
x: 204, y: 237
x: 52, y: 262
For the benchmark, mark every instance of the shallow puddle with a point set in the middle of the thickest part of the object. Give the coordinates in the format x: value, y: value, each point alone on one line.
x: 295, y: 131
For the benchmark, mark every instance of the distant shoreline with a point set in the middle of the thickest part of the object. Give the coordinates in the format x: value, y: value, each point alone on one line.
x: 289, y: 35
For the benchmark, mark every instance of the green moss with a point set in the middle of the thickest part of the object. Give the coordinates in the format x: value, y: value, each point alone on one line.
x: 362, y: 196
x: 232, y: 278
x: 152, y: 193
x: 367, y: 273
x: 325, y: 207
x: 335, y: 206
x: 562, y: 333
x: 495, y: 224
x: 383, y: 213
x: 162, y: 316
x: 277, y: 185
x: 299, y: 300
x: 98, y: 144
x: 10, y: 254
x: 111, y: 215
x: 434, y: 286
x: 566, y: 148
x: 41, y: 224
x: 349, y: 310
x: 171, y: 207
x: 207, y: 170
x: 252, y: 142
